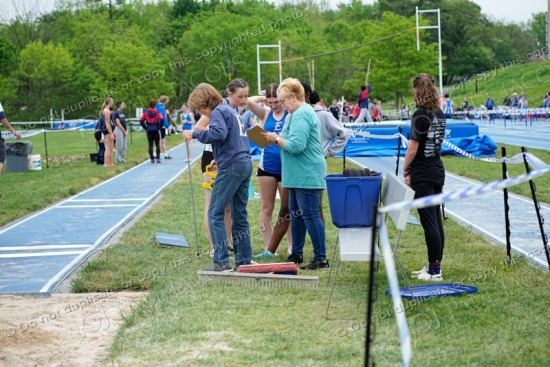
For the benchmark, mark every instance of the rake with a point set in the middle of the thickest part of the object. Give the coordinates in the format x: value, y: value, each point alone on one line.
x: 255, y: 279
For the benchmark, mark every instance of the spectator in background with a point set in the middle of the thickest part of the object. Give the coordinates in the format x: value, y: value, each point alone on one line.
x: 98, y: 134
x: 161, y: 107
x: 515, y: 100
x: 8, y: 126
x: 490, y: 104
x: 363, y: 104
x: 121, y: 132
x: 108, y: 128
x: 507, y: 101
x: 152, y: 122
x: 345, y: 112
x: 377, y: 111
x: 447, y: 106
x: 335, y: 109
x: 187, y: 118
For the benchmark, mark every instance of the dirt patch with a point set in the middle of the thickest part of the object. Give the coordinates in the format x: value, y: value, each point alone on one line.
x: 61, y: 330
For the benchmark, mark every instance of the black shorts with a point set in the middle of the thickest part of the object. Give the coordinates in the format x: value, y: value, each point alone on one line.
x: 162, y: 132
x: 261, y: 173
x: 2, y: 150
x: 207, y: 157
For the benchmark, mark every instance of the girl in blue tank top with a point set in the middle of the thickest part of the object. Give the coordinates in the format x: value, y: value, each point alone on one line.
x: 269, y: 169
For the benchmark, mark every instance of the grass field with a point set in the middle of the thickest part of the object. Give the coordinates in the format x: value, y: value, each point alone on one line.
x: 183, y: 322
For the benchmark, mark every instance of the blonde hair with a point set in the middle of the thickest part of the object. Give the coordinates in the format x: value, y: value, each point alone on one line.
x: 289, y: 86
x: 204, y: 96
x: 425, y: 91
x: 163, y: 99
x: 108, y: 100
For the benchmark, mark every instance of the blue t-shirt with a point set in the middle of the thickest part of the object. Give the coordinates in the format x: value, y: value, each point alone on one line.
x: 120, y: 115
x: 270, y: 160
x: 162, y: 109
x: 227, y: 135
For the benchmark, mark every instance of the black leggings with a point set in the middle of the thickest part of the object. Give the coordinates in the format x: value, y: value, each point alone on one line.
x: 432, y: 221
x: 153, y: 136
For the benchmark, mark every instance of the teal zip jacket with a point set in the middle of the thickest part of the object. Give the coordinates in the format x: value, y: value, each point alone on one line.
x: 304, y: 165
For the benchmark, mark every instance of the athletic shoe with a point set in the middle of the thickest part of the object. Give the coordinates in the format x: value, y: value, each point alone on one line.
x: 315, y: 264
x: 219, y: 268
x: 167, y: 157
x: 152, y: 161
x: 265, y: 255
x: 424, y: 275
x: 158, y: 160
x: 294, y: 258
x: 416, y: 273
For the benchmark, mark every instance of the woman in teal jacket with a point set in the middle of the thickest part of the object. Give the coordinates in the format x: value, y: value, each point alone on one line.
x: 304, y: 171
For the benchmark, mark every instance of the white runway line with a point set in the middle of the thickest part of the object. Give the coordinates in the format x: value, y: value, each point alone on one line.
x: 43, y: 247
x: 40, y: 254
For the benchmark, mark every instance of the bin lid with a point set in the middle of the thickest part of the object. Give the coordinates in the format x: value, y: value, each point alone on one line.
x: 19, y: 148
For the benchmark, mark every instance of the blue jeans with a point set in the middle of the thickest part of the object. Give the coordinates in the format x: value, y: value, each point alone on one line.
x: 231, y: 187
x: 306, y: 217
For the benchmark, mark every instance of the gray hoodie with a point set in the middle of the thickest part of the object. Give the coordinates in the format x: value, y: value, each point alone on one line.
x: 334, y: 135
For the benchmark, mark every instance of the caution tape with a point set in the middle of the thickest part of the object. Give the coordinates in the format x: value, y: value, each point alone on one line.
x: 465, y: 193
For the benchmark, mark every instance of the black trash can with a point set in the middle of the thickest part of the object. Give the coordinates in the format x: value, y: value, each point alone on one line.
x: 17, y: 156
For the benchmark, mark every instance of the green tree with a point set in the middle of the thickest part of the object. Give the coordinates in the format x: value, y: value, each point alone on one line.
x: 44, y: 74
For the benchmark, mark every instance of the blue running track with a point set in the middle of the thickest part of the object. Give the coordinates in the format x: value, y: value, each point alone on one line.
x: 39, y: 251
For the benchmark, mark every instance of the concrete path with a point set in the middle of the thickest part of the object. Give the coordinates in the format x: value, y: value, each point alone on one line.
x: 39, y: 251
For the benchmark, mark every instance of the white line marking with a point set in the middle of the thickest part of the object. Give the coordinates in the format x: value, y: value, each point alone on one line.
x: 65, y: 206
x: 38, y: 254
x: 42, y: 247
x: 94, y: 200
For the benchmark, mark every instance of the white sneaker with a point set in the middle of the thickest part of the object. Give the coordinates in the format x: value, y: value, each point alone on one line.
x: 424, y: 275
x: 416, y: 273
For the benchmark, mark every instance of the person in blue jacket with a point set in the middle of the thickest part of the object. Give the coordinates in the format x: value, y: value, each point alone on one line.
x: 226, y: 133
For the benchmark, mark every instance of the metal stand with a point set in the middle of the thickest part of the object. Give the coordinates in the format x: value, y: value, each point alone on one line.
x: 537, y: 209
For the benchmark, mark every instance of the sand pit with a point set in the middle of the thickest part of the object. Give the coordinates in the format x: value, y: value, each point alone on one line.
x: 61, y: 330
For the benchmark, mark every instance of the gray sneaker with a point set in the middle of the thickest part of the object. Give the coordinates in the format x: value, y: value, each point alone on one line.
x: 219, y: 267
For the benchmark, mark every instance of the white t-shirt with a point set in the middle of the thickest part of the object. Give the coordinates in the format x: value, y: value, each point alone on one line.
x: 2, y: 115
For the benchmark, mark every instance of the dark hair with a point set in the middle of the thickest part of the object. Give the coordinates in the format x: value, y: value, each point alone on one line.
x: 314, y: 97
x: 307, y: 92
x: 152, y: 102
x: 425, y: 91
x: 235, y: 84
x: 119, y: 103
x: 271, y: 90
x: 363, y: 87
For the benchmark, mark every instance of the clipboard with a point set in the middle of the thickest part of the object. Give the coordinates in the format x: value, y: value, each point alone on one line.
x: 255, y: 135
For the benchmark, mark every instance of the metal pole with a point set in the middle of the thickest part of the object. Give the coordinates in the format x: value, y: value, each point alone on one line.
x: 259, y: 69
x: 506, y: 209
x: 440, y: 60
x: 537, y: 209
x: 281, y: 63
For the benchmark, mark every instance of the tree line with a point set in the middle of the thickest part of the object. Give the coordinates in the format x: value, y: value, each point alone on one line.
x: 70, y: 59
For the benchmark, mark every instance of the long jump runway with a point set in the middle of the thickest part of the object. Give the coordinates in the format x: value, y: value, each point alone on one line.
x: 39, y: 251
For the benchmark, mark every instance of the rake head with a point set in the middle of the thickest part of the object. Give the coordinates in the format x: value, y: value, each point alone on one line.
x: 254, y: 279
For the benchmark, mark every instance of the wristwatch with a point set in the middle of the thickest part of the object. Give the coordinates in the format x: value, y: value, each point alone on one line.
x: 277, y: 141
